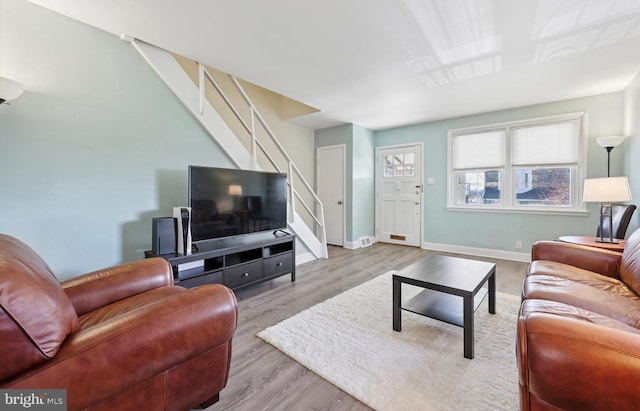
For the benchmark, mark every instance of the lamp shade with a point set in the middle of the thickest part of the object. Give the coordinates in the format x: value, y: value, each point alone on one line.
x: 606, y: 190
x: 9, y: 89
x: 610, y: 141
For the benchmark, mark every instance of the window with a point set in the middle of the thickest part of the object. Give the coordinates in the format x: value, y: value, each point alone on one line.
x: 398, y: 165
x: 478, y: 162
x: 535, y: 164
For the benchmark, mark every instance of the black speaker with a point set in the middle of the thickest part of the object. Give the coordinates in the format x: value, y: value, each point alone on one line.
x: 163, y: 235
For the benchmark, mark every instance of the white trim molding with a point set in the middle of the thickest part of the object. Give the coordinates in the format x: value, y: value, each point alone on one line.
x: 479, y: 252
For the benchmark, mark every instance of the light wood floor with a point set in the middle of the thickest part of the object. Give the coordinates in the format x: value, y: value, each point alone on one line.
x: 261, y: 377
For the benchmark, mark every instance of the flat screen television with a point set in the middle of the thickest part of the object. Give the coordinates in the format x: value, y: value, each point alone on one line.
x: 229, y: 202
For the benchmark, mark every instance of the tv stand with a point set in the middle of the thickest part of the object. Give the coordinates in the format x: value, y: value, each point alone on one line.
x: 237, y: 262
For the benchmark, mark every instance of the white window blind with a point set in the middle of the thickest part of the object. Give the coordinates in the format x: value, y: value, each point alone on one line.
x: 545, y: 144
x: 479, y: 150
x: 529, y: 164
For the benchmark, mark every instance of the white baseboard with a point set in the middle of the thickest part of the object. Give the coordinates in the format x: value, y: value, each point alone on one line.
x: 351, y: 245
x: 457, y: 249
x: 480, y: 252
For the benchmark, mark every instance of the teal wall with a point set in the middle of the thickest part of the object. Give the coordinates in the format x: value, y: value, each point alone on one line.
x: 500, y: 231
x: 363, y: 189
x: 95, y: 147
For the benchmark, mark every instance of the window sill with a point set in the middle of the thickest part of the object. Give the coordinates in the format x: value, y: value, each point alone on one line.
x: 572, y: 213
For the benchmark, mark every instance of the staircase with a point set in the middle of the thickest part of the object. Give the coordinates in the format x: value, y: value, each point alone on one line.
x: 261, y: 152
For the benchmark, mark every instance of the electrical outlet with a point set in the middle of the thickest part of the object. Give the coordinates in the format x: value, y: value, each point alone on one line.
x: 518, y: 245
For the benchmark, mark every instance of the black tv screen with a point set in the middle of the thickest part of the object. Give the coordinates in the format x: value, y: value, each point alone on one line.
x: 228, y: 202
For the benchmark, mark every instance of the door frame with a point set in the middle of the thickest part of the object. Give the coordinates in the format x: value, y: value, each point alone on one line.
x: 343, y: 148
x: 377, y: 177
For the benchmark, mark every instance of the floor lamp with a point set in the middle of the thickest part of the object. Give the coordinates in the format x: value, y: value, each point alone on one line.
x: 9, y: 89
x: 606, y: 191
x: 608, y: 143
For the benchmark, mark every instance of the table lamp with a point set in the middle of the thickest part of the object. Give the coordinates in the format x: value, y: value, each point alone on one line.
x: 606, y: 191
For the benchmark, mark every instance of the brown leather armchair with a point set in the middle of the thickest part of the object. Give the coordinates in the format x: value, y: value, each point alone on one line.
x: 578, y: 344
x: 122, y: 338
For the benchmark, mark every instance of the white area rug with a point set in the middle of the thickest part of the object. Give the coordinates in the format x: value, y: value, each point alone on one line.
x: 349, y: 341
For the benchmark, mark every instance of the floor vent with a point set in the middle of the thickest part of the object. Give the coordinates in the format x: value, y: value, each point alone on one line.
x: 365, y: 241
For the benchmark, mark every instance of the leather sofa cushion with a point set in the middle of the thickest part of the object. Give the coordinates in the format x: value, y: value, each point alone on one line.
x: 601, y: 301
x: 569, y: 272
x: 630, y: 265
x: 36, y: 313
x: 532, y: 307
x: 117, y: 308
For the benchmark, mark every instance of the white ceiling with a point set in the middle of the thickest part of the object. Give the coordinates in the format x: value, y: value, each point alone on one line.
x: 388, y: 63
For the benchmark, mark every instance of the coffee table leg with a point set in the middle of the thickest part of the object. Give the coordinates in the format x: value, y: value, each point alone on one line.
x: 468, y: 326
x: 492, y: 293
x: 397, y: 297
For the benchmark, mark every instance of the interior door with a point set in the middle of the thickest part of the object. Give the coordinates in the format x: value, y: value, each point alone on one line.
x: 331, y: 182
x: 399, y: 195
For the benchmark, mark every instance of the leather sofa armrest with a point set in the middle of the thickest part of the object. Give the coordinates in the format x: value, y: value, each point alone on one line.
x: 99, y: 288
x: 138, y: 345
x: 598, y: 260
x: 568, y: 363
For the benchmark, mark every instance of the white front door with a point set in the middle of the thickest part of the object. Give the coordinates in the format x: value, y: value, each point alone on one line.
x: 399, y: 194
x: 331, y: 181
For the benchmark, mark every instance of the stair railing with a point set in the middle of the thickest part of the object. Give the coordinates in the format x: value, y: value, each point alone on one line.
x: 316, y: 212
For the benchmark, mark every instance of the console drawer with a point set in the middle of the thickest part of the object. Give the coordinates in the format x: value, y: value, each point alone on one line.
x: 209, y: 278
x: 242, y: 274
x: 280, y: 264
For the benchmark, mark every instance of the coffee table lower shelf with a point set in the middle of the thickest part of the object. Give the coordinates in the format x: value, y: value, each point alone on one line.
x: 442, y: 306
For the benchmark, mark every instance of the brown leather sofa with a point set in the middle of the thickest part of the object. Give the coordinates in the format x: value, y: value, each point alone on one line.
x: 122, y: 338
x: 578, y: 344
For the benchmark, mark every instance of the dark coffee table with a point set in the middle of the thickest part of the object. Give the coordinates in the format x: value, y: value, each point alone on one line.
x: 445, y: 280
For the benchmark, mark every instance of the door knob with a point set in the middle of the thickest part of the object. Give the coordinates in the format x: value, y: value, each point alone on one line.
x: 339, y: 202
